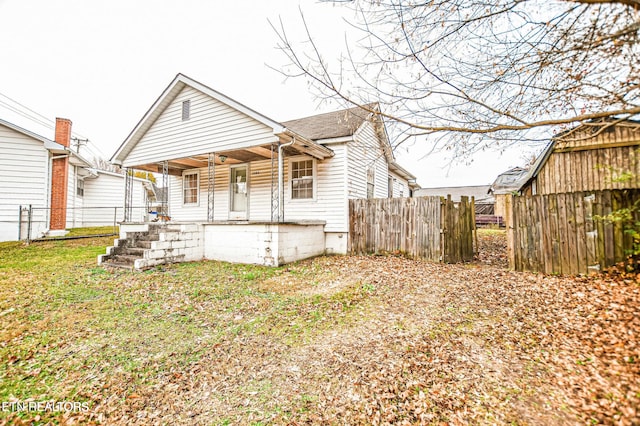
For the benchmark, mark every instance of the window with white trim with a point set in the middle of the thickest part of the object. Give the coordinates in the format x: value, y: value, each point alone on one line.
x: 186, y: 110
x: 371, y: 186
x: 80, y: 187
x: 190, y: 188
x: 301, y: 179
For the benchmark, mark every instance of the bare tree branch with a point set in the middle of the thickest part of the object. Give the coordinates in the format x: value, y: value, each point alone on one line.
x: 482, y: 69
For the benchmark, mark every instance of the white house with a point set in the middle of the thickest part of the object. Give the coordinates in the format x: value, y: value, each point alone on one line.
x: 249, y: 189
x: 61, y: 188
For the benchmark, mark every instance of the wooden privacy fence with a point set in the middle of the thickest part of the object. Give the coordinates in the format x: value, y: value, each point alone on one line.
x: 431, y: 228
x: 564, y: 233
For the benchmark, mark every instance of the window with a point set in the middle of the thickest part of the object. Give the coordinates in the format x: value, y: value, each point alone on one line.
x: 79, y: 187
x: 390, y: 187
x: 371, y: 176
x: 190, y: 188
x: 186, y: 110
x: 301, y: 179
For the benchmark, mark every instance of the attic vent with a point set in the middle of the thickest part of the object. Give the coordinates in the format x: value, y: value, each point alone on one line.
x: 186, y: 110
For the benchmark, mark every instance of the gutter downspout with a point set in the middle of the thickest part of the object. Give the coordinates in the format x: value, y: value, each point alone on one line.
x: 281, y: 179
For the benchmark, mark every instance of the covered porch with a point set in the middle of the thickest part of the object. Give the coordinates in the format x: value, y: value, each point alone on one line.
x: 225, y: 181
x: 226, y: 224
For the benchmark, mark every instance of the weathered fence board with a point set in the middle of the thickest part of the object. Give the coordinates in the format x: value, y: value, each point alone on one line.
x: 431, y: 228
x: 566, y: 234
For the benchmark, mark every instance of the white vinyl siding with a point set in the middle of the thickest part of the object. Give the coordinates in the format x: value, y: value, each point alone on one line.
x: 365, y: 153
x: 104, y: 198
x: 24, y: 168
x: 212, y: 127
x: 329, y: 203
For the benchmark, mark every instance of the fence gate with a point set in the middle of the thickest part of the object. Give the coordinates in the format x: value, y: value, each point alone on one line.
x: 430, y: 228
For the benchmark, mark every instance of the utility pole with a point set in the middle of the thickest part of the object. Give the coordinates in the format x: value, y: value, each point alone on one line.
x: 78, y: 143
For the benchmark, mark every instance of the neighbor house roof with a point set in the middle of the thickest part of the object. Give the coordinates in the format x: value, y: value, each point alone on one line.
x: 331, y: 124
x: 52, y: 146
x: 28, y: 133
x: 509, y: 181
x: 479, y: 192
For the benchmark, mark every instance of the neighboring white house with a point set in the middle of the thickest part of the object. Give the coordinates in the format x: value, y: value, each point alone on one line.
x: 228, y: 164
x: 61, y: 186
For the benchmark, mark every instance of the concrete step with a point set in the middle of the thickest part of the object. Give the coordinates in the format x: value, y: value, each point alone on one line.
x: 160, y: 229
x: 145, y: 237
x: 125, y: 259
x: 143, y: 244
x: 134, y: 251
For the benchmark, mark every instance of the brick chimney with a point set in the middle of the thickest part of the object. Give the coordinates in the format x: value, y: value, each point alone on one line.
x: 59, y: 178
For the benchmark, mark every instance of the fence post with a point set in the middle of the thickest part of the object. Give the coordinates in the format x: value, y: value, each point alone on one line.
x: 30, y: 216
x: 476, y: 251
x: 510, y: 222
x: 19, y: 222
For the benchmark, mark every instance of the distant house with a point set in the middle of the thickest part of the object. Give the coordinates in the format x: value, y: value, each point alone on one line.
x: 483, y: 199
x: 590, y: 157
x: 62, y: 187
x: 256, y: 190
x: 507, y: 183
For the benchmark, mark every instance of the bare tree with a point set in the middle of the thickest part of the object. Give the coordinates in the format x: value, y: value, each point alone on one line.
x: 481, y: 69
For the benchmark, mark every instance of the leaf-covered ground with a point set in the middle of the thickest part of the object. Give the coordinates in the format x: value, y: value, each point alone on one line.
x: 333, y: 340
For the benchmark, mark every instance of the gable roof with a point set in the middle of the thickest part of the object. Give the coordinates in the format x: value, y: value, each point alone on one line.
x: 54, y: 147
x: 28, y: 133
x: 167, y: 96
x: 344, y: 123
x: 330, y: 125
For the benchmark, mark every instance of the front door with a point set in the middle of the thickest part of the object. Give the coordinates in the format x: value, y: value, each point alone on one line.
x: 239, y: 193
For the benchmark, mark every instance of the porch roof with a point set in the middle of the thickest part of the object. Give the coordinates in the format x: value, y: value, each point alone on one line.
x: 301, y: 146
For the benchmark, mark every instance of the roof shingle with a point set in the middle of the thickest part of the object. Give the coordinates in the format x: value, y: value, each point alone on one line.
x: 330, y: 125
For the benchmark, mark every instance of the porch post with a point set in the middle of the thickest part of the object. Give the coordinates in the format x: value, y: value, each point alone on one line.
x: 275, y: 195
x: 210, y: 185
x: 281, y: 178
x: 165, y: 185
x: 128, y: 194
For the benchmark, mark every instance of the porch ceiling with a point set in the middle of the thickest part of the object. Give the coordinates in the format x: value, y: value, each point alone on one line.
x: 237, y: 156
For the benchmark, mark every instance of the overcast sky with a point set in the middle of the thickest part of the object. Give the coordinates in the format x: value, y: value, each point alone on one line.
x: 103, y: 63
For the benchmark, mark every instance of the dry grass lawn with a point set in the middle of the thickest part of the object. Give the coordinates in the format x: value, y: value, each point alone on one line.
x: 333, y: 340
